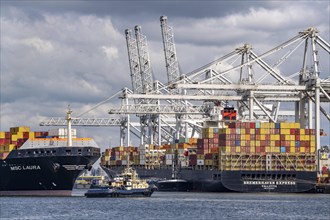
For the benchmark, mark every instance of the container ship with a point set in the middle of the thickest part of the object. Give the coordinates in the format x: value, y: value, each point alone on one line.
x: 41, y: 163
x: 236, y: 157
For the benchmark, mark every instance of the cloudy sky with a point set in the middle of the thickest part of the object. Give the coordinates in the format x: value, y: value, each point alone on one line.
x: 56, y: 53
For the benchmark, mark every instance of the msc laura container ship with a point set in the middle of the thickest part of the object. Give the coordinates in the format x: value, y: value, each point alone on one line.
x: 35, y: 164
x: 239, y: 157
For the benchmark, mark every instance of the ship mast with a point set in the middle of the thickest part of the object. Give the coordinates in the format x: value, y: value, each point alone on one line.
x: 69, y: 121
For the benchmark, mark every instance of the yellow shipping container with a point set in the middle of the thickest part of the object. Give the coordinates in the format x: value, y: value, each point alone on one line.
x: 302, y: 149
x: 292, y: 143
x: 312, y: 137
x: 284, y: 131
x: 208, y: 162
x: 242, y: 137
x: 292, y: 149
x: 268, y: 149
x: 242, y: 131
x: 302, y: 131
x: 257, y: 143
x: 296, y: 125
x: 9, y: 147
x: 262, y: 137
x: 307, y: 137
x: 200, y: 156
x: 228, y: 149
x: 19, y: 135
x: 247, y: 137
x: 277, y: 149
x: 313, y: 149
x: 238, y: 149
x: 107, y: 158
x: 252, y: 131
x: 252, y: 149
x: 272, y: 149
x: 2, y: 134
x: 252, y: 143
x: 284, y: 125
x: 264, y: 131
x: 14, y: 137
x: 312, y: 143
x: 243, y: 143
x: 272, y: 144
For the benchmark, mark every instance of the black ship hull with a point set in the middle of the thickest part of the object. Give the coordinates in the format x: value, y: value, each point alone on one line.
x: 44, y: 173
x: 228, y: 181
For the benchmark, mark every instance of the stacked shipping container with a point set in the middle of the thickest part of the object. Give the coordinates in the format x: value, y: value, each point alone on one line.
x: 256, y: 145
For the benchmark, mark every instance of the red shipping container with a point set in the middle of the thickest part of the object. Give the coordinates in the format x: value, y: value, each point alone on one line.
x: 209, y: 156
x: 210, y: 140
x: 243, y: 149
x: 2, y: 141
x: 247, y: 131
x: 277, y: 143
x: 257, y: 137
x: 252, y: 124
x: 262, y: 149
x: 7, y: 135
x: 277, y: 131
x: 205, y: 141
x: 287, y: 149
x: 312, y: 132
x: 215, y: 140
x: 307, y: 131
x: 248, y: 143
x: 267, y: 137
x: 232, y: 125
x: 282, y: 137
x: 297, y: 137
x: 252, y: 137
x: 258, y: 150
x: 258, y: 131
x: 233, y: 149
x: 263, y: 143
x: 238, y: 124
x: 238, y: 137
x: 26, y: 134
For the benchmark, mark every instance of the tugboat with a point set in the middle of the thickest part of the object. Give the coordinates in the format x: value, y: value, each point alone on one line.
x: 126, y: 184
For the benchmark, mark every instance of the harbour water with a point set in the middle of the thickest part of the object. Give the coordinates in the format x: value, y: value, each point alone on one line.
x: 170, y: 205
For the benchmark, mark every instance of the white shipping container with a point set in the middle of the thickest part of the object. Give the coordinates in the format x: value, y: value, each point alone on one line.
x: 200, y: 162
x: 169, y: 156
x: 142, y: 151
x: 142, y: 162
x: 62, y: 132
x: 168, y: 162
x: 184, y: 163
x: 142, y: 157
x: 124, y: 162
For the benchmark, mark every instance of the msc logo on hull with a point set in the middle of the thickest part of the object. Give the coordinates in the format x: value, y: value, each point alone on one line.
x: 74, y: 167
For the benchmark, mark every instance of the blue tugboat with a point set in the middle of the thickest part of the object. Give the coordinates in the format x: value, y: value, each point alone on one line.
x: 126, y: 184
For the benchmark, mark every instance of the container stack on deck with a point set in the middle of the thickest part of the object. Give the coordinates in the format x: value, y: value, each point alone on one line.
x: 267, y: 146
x: 17, y: 136
x: 238, y: 146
